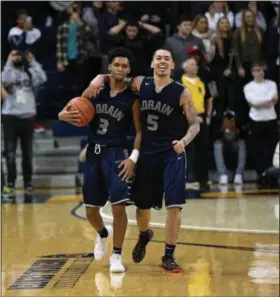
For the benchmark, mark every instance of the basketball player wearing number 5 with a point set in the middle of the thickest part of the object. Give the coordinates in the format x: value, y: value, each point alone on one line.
x: 165, y: 106
x: 109, y: 168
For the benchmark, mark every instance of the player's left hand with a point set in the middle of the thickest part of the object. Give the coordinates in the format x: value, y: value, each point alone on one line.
x: 178, y: 146
x: 127, y: 170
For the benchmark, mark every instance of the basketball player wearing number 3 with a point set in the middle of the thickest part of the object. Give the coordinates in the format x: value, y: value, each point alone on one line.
x: 165, y: 106
x: 109, y: 168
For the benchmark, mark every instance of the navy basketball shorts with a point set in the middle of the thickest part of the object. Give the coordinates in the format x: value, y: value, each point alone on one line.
x: 101, y: 177
x: 158, y: 175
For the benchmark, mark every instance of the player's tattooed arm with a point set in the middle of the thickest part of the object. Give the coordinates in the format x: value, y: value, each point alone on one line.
x: 134, y: 83
x: 191, y: 115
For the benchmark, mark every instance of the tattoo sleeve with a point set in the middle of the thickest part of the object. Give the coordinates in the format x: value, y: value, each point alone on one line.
x: 135, y: 83
x: 191, y: 115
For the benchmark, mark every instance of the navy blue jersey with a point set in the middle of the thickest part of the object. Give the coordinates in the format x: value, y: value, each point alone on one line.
x: 163, y: 120
x: 113, y: 118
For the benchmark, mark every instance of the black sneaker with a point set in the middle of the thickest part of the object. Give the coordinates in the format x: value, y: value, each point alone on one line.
x: 169, y: 264
x: 139, y: 251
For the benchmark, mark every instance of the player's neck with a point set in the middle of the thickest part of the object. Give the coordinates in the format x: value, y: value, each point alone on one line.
x: 117, y: 86
x: 162, y: 81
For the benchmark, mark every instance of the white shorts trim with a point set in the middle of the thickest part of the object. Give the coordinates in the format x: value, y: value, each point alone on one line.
x: 118, y: 202
x: 176, y: 205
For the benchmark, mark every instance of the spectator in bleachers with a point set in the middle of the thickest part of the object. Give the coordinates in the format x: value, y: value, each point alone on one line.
x: 249, y: 44
x: 223, y: 65
x: 253, y: 6
x: 136, y: 36
x: 181, y: 41
x: 197, y: 150
x: 217, y: 10
x: 60, y: 8
x: 18, y: 113
x: 205, y: 72
x: 24, y: 36
x: 110, y: 18
x: 230, y: 139
x: 91, y: 15
x: 71, y: 50
x: 262, y: 95
x: 107, y: 20
x: 202, y: 31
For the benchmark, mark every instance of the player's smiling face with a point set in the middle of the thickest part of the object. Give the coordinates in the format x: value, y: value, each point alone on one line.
x: 119, y: 68
x: 162, y: 63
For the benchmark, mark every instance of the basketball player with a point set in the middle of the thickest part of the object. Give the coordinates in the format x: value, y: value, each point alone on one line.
x: 109, y: 168
x: 165, y: 106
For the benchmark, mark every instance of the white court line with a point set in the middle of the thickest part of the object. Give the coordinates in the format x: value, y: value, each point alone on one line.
x: 197, y: 228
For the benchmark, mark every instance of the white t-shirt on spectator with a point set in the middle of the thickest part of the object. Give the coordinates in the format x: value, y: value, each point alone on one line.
x: 257, y: 94
x: 213, y: 20
x: 31, y: 36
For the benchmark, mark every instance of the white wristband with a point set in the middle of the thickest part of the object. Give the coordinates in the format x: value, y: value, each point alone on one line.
x: 134, y: 155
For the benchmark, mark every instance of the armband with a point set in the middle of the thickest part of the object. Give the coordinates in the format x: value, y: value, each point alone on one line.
x: 134, y: 155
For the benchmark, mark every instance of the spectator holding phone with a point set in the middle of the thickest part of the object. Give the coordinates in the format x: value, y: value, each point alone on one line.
x: 24, y: 36
x: 18, y: 113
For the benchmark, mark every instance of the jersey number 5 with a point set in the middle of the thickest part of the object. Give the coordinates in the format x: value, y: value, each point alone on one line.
x: 152, y: 121
x: 103, y: 126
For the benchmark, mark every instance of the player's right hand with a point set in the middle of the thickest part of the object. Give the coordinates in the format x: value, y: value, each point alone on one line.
x: 70, y: 116
x: 127, y: 169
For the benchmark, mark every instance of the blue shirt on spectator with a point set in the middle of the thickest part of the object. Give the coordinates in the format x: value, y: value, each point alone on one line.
x: 72, y: 45
x: 106, y: 21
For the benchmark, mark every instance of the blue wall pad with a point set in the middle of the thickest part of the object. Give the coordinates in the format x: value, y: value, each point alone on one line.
x: 62, y: 129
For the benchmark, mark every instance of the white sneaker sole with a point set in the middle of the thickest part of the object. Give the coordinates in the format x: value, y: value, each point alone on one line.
x: 117, y: 269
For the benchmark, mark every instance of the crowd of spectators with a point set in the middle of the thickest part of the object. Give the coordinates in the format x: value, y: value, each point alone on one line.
x: 71, y: 40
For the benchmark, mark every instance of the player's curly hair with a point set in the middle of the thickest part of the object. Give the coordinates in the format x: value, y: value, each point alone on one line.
x: 120, y: 52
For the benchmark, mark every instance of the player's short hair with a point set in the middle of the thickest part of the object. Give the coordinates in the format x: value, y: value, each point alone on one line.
x: 21, y: 12
x: 164, y: 49
x: 184, y: 18
x: 132, y: 23
x: 259, y: 63
x: 120, y: 52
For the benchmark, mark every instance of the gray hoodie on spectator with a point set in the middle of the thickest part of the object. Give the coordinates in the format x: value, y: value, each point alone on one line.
x: 20, y: 101
x: 179, y: 46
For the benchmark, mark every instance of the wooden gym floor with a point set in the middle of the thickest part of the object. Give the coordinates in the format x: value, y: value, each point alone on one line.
x: 228, y: 246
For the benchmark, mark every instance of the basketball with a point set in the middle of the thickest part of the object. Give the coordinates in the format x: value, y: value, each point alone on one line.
x: 85, y: 107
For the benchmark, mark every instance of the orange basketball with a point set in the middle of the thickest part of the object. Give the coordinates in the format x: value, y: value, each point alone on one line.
x: 85, y: 107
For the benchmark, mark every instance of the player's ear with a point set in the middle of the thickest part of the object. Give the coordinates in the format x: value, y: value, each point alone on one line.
x: 110, y: 67
x: 173, y: 66
x: 128, y: 70
x: 152, y: 64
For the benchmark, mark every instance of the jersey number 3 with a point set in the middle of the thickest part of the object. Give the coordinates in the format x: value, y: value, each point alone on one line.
x: 152, y: 121
x: 103, y: 126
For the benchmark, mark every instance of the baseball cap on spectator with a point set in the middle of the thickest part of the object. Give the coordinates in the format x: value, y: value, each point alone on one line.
x: 194, y: 49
